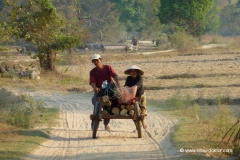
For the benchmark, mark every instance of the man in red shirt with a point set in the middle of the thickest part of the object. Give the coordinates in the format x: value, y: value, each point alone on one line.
x: 99, y: 74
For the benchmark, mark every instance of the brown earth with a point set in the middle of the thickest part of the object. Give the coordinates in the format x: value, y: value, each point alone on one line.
x: 205, y: 75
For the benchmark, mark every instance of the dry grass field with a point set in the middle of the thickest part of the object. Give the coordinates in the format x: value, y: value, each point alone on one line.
x: 207, y: 77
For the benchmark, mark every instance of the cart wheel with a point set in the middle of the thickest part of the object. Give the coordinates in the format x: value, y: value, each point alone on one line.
x: 95, y: 121
x: 138, y: 121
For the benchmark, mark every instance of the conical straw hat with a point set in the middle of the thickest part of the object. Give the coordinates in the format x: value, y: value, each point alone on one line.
x: 134, y: 67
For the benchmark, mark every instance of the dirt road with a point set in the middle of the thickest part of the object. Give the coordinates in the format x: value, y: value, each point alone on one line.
x: 72, y: 137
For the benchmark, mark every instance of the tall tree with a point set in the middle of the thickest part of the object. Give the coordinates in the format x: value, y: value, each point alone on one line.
x: 152, y: 27
x: 131, y: 13
x: 138, y: 16
x: 100, y: 21
x: 68, y: 9
x: 1, y: 5
x: 238, y: 3
x: 37, y: 21
x: 212, y: 20
x: 187, y: 14
x: 230, y: 15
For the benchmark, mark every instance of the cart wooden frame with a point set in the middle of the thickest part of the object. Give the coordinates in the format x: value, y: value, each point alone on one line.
x: 96, y: 117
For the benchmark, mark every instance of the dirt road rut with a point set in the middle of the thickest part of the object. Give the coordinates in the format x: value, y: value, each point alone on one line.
x: 72, y: 137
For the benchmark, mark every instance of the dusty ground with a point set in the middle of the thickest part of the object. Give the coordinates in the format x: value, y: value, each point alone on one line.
x: 218, y: 74
x: 72, y: 138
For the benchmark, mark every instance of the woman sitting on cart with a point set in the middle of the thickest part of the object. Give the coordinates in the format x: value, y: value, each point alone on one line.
x: 135, y: 79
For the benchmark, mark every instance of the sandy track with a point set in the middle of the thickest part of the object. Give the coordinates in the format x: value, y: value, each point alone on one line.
x: 72, y: 137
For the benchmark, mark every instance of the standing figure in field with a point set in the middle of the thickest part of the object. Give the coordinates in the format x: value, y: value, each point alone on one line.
x: 135, y: 41
x: 99, y: 74
x: 135, y: 79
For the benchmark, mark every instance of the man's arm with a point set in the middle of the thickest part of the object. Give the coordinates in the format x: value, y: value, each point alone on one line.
x: 95, y: 89
x: 116, y: 80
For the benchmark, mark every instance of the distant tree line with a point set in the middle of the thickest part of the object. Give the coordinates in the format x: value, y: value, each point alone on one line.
x: 54, y: 25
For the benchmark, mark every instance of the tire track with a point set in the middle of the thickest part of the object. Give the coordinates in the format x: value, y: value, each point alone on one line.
x: 72, y: 138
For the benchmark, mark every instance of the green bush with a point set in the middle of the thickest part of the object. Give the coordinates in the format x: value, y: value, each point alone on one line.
x: 2, y: 48
x: 26, y: 114
x: 203, y: 125
x: 221, y: 121
x: 162, y: 38
x: 183, y: 41
x: 22, y: 111
x: 178, y: 103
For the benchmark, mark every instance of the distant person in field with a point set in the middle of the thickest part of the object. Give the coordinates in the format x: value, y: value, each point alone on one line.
x: 135, y: 41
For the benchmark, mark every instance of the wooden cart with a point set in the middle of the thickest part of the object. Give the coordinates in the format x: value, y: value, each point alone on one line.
x: 96, y: 117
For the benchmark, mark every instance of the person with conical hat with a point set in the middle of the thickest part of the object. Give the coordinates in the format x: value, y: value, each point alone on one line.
x: 135, y: 79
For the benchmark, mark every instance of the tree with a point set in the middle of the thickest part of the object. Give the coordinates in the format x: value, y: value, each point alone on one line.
x: 97, y: 17
x: 187, y: 14
x: 152, y: 27
x: 131, y: 13
x: 1, y: 5
x: 238, y: 3
x: 212, y: 20
x: 138, y: 16
x: 101, y: 21
x: 230, y: 15
x: 37, y: 21
x: 4, y: 32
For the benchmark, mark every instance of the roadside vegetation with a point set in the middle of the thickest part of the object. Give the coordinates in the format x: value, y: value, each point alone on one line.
x: 203, y: 124
x: 20, y: 115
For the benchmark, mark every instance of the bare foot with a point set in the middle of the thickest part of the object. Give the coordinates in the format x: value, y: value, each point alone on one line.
x: 144, y: 125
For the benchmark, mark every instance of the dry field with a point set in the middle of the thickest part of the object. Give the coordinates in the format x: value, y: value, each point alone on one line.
x: 204, y: 74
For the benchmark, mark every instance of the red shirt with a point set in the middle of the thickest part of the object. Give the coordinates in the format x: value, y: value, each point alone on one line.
x: 97, y: 76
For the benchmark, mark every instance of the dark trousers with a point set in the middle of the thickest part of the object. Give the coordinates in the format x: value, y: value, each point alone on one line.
x: 94, y: 100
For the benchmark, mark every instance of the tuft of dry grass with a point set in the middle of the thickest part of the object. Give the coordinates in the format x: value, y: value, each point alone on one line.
x: 201, y: 125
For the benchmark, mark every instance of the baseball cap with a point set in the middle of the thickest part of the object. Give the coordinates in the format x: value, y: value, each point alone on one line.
x: 96, y: 56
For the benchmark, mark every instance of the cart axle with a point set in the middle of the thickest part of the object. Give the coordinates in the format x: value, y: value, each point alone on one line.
x: 141, y: 117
